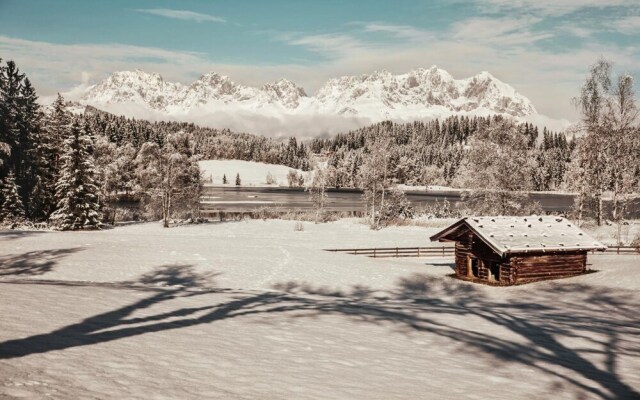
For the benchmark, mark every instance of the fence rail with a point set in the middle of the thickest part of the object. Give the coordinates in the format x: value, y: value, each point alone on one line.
x: 384, y: 252
x: 444, y: 251
x: 620, y: 250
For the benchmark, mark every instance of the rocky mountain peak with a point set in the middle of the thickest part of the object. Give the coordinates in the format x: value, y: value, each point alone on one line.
x: 378, y: 95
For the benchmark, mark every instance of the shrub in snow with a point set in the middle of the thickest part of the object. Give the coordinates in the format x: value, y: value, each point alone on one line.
x: 295, y: 180
x: 442, y: 210
x: 270, y: 179
x: 636, y: 242
x: 298, y: 227
x: 395, y: 206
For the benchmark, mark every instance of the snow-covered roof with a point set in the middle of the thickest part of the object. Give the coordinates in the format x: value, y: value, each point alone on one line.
x: 524, y: 234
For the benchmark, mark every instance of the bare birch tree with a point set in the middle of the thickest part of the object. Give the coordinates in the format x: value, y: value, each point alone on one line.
x: 608, y: 153
x: 317, y: 190
x: 374, y: 179
x: 169, y: 176
x: 498, y: 170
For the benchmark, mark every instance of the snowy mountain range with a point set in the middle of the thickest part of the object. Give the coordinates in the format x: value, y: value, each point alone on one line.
x: 216, y: 100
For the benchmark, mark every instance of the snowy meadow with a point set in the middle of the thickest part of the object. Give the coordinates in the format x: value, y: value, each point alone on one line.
x: 255, y: 309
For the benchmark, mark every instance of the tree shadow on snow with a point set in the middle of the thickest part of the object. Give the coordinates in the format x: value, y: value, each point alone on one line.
x: 6, y: 235
x: 181, y: 275
x: 539, y: 330
x: 451, y: 265
x: 32, y: 263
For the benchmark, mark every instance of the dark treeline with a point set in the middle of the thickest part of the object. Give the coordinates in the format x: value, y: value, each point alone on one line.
x: 209, y: 143
x: 431, y: 153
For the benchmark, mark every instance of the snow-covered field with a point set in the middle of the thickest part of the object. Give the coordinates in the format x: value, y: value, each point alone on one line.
x: 251, y: 173
x: 255, y: 309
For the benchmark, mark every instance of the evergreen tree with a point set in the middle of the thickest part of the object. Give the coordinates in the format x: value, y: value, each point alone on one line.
x: 76, y: 189
x: 57, y: 126
x: 224, y: 179
x: 12, y: 210
x: 238, y: 182
x: 10, y: 84
x: 5, y: 147
x: 38, y: 177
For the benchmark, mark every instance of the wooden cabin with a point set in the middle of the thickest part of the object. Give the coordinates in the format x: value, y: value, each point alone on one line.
x: 511, y: 250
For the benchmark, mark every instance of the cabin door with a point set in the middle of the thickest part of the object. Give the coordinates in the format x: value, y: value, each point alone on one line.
x: 472, y: 267
x: 494, y: 271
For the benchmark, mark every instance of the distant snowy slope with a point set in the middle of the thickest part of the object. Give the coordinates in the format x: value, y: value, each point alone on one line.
x: 343, y: 103
x: 251, y: 173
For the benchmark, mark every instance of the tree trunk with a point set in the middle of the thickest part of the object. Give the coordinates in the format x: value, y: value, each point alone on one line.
x: 165, y: 210
x: 616, y: 215
x: 384, y: 182
x: 599, y: 210
x: 580, y: 208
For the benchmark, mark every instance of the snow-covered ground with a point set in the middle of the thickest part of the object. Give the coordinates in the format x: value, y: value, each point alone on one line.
x: 251, y: 173
x: 612, y: 234
x: 255, y: 309
x: 423, y: 188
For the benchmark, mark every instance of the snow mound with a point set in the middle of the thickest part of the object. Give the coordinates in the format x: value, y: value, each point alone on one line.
x: 251, y: 173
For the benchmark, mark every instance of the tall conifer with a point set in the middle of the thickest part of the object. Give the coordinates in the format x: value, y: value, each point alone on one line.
x: 76, y: 189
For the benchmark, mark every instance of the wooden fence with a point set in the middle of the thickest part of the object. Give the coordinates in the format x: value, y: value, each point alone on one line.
x: 440, y: 251
x: 444, y: 251
x: 619, y: 250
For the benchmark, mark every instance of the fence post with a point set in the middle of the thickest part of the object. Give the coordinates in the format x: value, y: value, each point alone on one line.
x: 418, y: 252
x: 374, y: 252
x: 442, y: 251
x: 618, y: 249
x: 396, y: 252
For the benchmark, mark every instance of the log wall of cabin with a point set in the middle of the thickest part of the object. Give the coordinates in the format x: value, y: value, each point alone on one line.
x: 536, y: 266
x: 469, y: 245
x: 463, y: 249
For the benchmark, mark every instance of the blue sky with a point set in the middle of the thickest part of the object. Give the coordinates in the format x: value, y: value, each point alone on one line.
x: 543, y: 48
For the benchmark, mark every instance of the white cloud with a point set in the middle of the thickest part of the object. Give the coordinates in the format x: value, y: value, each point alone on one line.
x: 182, y: 14
x: 550, y: 7
x: 502, y: 31
x: 56, y: 67
x: 329, y: 44
x: 629, y: 25
x: 399, y: 31
x: 578, y: 31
